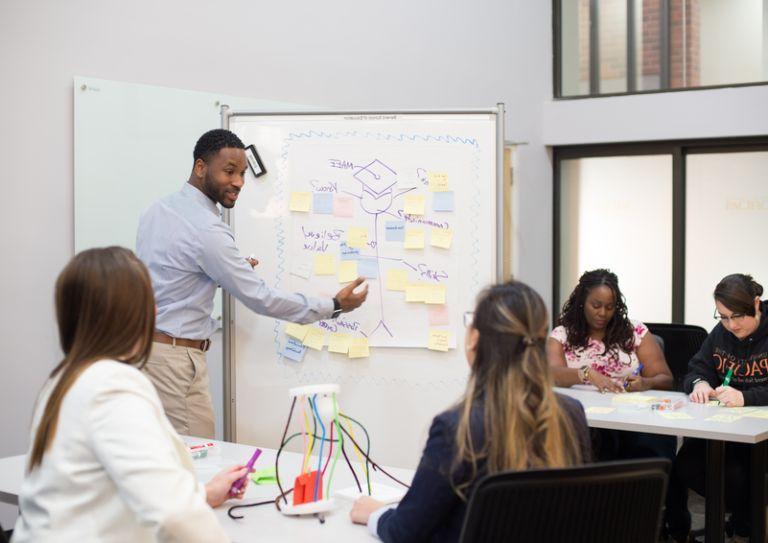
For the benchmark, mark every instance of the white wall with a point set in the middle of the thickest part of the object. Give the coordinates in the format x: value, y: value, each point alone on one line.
x: 731, y: 40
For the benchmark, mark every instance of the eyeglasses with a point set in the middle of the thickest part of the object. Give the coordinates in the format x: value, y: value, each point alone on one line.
x: 469, y: 318
x: 736, y: 317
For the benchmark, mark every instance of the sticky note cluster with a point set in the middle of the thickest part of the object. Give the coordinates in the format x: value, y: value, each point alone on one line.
x: 304, y: 336
x: 322, y: 203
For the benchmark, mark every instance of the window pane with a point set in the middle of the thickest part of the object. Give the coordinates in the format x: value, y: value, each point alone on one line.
x: 726, y: 223
x: 612, y: 31
x: 574, y: 52
x: 616, y: 212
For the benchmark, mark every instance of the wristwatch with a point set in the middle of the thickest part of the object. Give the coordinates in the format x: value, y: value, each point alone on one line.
x: 336, y: 308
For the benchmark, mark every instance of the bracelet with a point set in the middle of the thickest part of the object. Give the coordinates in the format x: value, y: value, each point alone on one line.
x: 583, y: 373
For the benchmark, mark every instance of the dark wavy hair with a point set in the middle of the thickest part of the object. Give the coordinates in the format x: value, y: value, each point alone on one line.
x: 619, y: 333
x: 214, y: 141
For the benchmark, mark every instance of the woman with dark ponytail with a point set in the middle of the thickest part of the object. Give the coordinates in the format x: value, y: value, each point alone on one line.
x: 509, y: 418
x: 738, y: 344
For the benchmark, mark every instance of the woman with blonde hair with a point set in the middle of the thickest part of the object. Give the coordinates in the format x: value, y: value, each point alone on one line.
x: 508, y: 419
x: 105, y: 463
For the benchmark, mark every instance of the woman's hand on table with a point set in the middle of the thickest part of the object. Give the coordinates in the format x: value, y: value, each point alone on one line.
x: 701, y: 393
x: 604, y: 383
x: 729, y: 396
x: 362, y: 509
x: 637, y: 383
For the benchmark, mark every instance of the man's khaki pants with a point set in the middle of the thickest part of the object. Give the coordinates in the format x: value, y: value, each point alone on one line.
x: 180, y: 375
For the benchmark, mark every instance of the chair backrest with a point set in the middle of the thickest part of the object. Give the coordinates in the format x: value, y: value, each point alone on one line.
x: 681, y: 342
x: 3, y: 538
x: 596, y: 503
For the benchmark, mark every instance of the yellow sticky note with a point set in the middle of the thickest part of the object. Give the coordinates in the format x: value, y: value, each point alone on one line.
x: 434, y: 294
x: 438, y: 181
x: 438, y: 340
x: 416, y: 292
x: 347, y: 271
x: 441, y: 237
x: 600, y: 410
x: 325, y: 264
x: 414, y: 238
x: 414, y: 205
x: 397, y: 280
x: 675, y: 415
x: 724, y: 417
x: 300, y: 201
x: 299, y: 331
x: 358, y: 347
x: 315, y: 338
x: 631, y: 398
x: 338, y: 342
x: 757, y: 414
x: 357, y: 237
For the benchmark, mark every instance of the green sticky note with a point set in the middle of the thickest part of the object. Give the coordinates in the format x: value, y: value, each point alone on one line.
x: 264, y: 476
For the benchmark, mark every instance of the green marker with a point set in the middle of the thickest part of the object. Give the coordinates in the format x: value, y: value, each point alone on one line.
x: 728, y: 376
x: 727, y: 379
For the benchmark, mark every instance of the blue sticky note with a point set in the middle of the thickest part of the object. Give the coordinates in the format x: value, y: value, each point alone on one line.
x: 322, y: 202
x: 395, y: 230
x: 368, y: 268
x: 294, y: 349
x: 442, y: 201
x: 347, y: 252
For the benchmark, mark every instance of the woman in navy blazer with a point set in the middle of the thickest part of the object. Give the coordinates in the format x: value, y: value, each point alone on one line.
x: 509, y: 418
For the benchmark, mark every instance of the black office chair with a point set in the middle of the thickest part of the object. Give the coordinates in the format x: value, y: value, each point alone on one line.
x: 596, y: 503
x: 3, y: 537
x: 681, y: 342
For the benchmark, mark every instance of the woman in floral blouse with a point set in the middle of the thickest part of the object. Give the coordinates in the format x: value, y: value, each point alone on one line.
x: 596, y: 344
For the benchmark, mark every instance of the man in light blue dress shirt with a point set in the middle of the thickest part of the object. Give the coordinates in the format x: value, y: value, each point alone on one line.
x: 190, y: 251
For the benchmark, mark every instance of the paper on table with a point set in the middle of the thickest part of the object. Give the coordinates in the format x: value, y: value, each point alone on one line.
x: 315, y: 338
x: 674, y: 415
x: 300, y: 201
x: 724, y: 417
x: 441, y: 237
x: 414, y: 238
x: 631, y: 399
x: 325, y: 264
x: 357, y: 237
x: 757, y: 414
x: 438, y: 181
x: 438, y: 340
x: 600, y: 410
x: 347, y: 271
x: 414, y: 205
x: 299, y: 331
x: 358, y: 347
x: 397, y: 280
x: 339, y: 342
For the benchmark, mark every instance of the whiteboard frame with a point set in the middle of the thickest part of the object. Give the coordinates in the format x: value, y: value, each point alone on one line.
x: 228, y: 321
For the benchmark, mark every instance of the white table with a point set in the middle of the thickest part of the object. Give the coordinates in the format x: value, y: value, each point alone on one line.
x: 641, y: 418
x: 263, y: 523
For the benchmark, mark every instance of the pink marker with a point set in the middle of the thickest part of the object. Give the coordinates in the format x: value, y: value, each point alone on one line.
x: 237, y: 485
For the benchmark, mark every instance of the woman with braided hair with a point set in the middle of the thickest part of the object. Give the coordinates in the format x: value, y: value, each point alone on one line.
x: 509, y: 418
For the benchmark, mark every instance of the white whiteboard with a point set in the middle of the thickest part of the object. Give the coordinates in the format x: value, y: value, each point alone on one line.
x: 363, y: 167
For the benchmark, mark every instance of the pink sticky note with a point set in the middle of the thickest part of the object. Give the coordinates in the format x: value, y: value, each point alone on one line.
x: 343, y: 206
x: 438, y: 315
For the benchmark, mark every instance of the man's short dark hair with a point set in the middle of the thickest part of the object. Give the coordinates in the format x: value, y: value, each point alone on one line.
x: 214, y: 141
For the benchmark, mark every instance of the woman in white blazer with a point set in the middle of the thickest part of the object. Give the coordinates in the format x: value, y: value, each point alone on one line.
x: 105, y: 464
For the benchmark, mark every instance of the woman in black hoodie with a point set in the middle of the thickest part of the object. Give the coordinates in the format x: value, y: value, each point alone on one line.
x: 740, y: 342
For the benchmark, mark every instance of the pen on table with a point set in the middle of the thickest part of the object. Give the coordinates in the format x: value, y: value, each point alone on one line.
x: 239, y: 483
x: 637, y: 371
x: 727, y: 380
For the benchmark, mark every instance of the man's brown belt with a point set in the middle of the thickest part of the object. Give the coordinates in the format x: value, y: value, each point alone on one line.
x: 202, y: 344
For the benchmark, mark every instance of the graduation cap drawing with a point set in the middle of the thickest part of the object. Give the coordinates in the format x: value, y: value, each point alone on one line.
x: 376, y: 177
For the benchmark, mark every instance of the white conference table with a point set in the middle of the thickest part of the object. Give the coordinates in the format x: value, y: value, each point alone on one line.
x: 632, y: 412
x: 262, y: 523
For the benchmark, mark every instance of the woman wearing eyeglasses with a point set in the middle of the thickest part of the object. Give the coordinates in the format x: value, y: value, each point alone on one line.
x: 739, y: 342
x: 509, y: 418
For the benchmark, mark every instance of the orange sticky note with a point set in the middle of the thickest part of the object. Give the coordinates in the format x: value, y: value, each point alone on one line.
x: 301, y: 201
